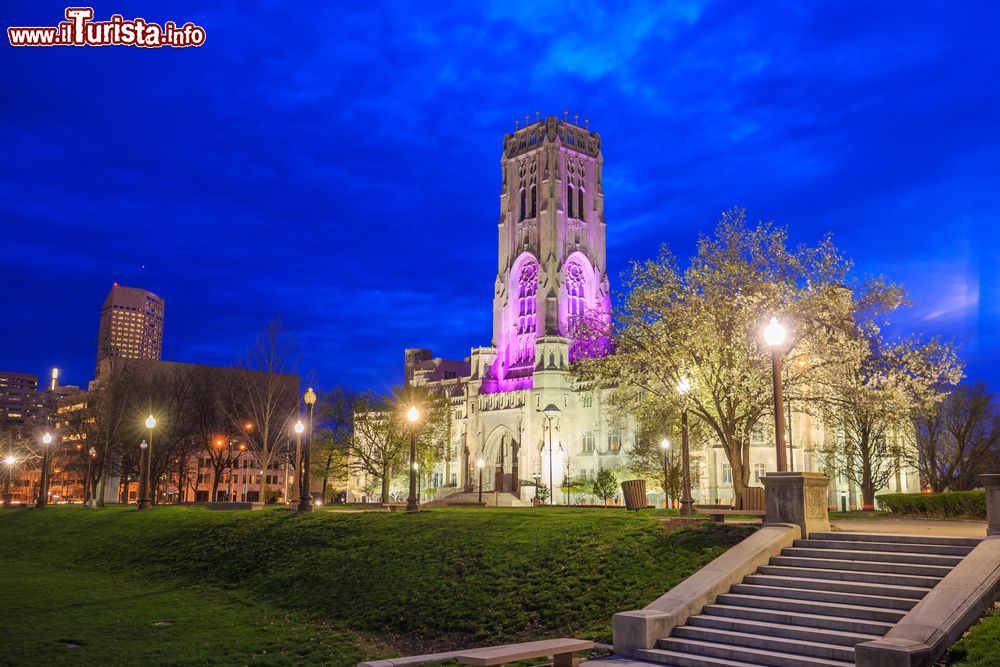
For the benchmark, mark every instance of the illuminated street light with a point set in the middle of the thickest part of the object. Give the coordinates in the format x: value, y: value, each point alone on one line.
x: 687, y: 502
x: 144, y: 501
x: 774, y: 335
x: 298, y: 428
x: 305, y: 495
x: 88, y: 485
x: 412, y: 502
x: 43, y: 487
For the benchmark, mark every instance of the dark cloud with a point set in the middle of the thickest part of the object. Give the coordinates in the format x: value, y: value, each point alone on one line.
x: 338, y: 167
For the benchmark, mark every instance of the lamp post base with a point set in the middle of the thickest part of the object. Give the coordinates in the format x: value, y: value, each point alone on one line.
x: 90, y: 503
x: 305, y: 505
x: 144, y: 504
x: 8, y: 500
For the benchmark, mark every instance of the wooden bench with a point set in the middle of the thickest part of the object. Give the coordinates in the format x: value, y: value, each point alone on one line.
x: 564, y: 653
x: 753, y: 502
x: 392, y: 507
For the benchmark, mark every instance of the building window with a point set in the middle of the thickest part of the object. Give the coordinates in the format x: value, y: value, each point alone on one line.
x: 758, y: 472
x: 614, y: 441
x: 524, y: 208
x: 527, y: 286
x: 727, y: 473
x: 580, y: 211
x: 588, y: 441
x: 569, y: 200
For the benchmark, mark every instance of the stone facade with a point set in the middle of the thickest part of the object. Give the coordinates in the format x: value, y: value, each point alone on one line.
x: 552, y: 271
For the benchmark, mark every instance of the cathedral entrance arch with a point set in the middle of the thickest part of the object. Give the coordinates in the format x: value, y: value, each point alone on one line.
x: 502, y: 453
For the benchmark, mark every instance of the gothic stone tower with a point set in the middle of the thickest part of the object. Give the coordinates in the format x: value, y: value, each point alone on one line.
x: 551, y: 270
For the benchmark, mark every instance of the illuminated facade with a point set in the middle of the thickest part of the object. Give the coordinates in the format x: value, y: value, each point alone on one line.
x: 131, y: 325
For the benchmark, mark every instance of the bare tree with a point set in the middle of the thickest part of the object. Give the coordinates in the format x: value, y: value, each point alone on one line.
x: 331, y: 443
x: 265, y: 396
x: 959, y: 438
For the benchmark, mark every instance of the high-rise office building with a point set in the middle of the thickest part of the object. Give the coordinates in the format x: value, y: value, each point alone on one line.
x: 131, y: 325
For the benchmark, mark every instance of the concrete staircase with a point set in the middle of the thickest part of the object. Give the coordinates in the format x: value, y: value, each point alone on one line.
x: 812, y: 604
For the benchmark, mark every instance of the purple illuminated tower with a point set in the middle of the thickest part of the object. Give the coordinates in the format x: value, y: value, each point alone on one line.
x: 551, y: 273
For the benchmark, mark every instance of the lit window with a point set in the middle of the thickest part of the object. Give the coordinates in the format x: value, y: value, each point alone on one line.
x: 727, y: 473
x: 758, y: 472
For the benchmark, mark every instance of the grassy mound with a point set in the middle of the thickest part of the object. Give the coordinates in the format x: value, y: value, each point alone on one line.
x: 326, y: 582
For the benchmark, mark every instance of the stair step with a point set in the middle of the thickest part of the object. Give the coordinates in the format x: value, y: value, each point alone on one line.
x: 879, y: 556
x: 893, y: 547
x: 856, y: 587
x: 782, y: 630
x: 855, y: 611
x: 849, y: 575
x: 848, y: 624
x: 746, y: 654
x: 901, y: 539
x: 880, y: 601
x: 687, y: 660
x: 862, y: 566
x: 801, y: 647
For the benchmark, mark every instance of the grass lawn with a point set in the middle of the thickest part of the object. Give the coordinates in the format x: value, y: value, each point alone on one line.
x: 981, y: 645
x: 187, y: 586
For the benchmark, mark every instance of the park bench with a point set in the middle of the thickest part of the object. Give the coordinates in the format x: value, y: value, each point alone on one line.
x: 392, y: 507
x: 753, y: 503
x: 564, y: 653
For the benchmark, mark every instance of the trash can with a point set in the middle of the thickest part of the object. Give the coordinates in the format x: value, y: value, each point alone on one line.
x: 634, y: 491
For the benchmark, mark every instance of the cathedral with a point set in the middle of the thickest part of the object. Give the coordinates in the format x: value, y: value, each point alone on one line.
x: 516, y: 408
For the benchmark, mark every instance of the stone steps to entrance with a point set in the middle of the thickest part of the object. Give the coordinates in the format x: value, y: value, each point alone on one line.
x: 850, y: 575
x: 814, y: 603
x: 846, y: 623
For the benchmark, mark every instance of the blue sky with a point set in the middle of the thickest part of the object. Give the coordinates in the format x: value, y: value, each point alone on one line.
x: 338, y: 166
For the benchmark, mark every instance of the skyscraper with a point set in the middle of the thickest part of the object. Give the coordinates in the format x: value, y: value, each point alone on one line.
x: 131, y: 325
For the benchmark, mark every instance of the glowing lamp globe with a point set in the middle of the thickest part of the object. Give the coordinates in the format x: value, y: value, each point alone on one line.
x: 413, y: 414
x: 774, y: 333
x: 47, y: 438
x: 10, y: 460
x: 299, y: 427
x: 310, y: 396
x: 480, y: 463
x: 150, y: 421
x: 143, y: 445
x: 665, y: 444
x: 683, y: 385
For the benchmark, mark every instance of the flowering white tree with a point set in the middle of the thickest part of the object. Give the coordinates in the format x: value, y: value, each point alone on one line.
x: 704, y: 323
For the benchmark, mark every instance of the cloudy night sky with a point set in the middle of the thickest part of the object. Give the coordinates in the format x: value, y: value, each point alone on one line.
x: 339, y: 167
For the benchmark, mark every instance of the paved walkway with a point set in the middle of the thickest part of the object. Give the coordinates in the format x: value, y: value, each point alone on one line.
x: 912, y: 527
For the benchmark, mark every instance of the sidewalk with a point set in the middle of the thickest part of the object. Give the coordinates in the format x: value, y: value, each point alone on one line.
x: 912, y: 527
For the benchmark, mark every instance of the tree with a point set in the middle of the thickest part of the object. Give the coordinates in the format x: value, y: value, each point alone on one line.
x: 870, y: 403
x: 265, y: 396
x: 542, y: 493
x: 958, y: 439
x: 605, y: 485
x: 104, y: 423
x: 704, y: 323
x: 331, y: 443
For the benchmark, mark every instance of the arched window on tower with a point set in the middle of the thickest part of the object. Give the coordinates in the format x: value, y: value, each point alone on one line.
x: 576, y: 303
x: 569, y: 200
x: 581, y: 209
x: 534, y: 209
x: 527, y: 287
x: 523, y: 208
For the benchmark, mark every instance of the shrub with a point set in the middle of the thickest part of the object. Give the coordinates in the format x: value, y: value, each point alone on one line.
x: 952, y: 504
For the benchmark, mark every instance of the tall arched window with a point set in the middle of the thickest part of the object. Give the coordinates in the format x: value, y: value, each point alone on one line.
x: 527, y: 287
x: 523, y: 208
x: 580, y: 209
x: 569, y: 200
x: 575, y: 289
x: 534, y: 209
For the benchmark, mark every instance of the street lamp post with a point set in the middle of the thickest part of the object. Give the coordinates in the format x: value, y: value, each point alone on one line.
x: 305, y: 496
x: 774, y: 335
x: 88, y: 495
x: 687, y: 502
x: 665, y: 446
x: 550, y: 413
x: 413, y: 416
x: 143, y: 480
x: 145, y: 503
x: 416, y: 472
x: 43, y: 485
x: 7, y: 495
x: 299, y: 428
x: 479, y: 464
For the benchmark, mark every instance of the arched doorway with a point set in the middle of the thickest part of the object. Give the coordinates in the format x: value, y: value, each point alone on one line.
x: 502, y: 455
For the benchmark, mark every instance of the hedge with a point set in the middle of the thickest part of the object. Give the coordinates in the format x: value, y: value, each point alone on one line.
x: 952, y: 504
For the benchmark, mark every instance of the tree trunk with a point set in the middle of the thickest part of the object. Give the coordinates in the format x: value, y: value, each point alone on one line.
x: 215, y: 485
x: 385, y: 487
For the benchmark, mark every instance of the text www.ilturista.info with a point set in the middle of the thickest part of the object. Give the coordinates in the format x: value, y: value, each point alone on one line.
x: 79, y: 29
